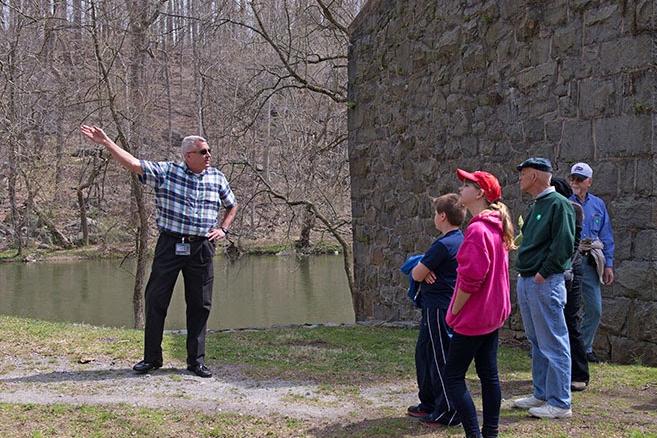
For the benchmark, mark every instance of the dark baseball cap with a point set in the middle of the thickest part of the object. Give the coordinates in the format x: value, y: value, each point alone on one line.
x: 542, y: 164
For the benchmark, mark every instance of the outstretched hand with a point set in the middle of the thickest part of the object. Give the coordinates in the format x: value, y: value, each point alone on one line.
x: 94, y: 134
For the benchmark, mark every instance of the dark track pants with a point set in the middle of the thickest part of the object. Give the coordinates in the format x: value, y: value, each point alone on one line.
x: 430, y: 357
x: 198, y: 275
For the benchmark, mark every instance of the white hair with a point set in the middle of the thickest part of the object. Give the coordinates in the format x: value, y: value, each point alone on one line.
x: 189, y: 142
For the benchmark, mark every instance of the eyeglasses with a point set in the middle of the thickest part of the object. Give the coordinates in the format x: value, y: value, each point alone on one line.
x: 577, y: 178
x: 202, y: 152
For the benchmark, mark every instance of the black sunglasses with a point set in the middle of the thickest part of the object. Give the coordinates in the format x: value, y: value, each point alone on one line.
x: 202, y: 152
x: 577, y: 178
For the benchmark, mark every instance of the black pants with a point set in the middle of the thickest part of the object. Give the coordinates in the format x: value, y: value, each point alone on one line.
x: 580, y: 366
x: 198, y: 275
x: 483, y: 350
x: 430, y: 356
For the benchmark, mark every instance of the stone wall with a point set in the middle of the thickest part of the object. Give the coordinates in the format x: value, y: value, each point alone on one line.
x: 438, y: 84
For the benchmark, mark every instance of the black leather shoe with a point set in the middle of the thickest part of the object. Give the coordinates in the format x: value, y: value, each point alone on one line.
x: 200, y: 370
x: 144, y: 367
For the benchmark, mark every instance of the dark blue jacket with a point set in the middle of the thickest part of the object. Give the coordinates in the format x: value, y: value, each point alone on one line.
x: 413, y: 286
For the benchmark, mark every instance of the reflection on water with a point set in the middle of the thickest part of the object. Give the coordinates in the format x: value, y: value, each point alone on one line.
x: 258, y: 291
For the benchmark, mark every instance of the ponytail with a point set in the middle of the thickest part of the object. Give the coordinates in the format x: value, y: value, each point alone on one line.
x: 508, y: 233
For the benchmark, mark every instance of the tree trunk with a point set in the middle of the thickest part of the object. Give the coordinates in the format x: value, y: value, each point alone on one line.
x: 59, y: 237
x: 138, y: 44
x: 307, y: 224
x: 12, y: 119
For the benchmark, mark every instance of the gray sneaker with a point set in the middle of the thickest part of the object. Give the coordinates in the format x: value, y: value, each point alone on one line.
x: 528, y: 402
x: 549, y: 411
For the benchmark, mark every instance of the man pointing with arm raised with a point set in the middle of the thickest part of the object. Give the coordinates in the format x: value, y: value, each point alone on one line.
x: 188, y: 197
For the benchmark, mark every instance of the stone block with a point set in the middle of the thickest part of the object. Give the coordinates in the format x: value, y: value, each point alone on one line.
x: 615, y: 315
x: 646, y: 178
x: 596, y: 98
x: 631, y: 213
x: 623, y: 136
x: 602, y: 24
x: 567, y: 107
x: 534, y: 130
x: 645, y: 246
x: 628, y: 351
x: 533, y: 76
x: 638, y: 277
x: 449, y: 42
x: 556, y: 14
x: 627, y: 183
x: 527, y: 29
x: 460, y: 123
x: 625, y: 54
x: 644, y: 15
x: 576, y: 141
x: 553, y: 131
x: 605, y: 178
x: 566, y: 41
x: 622, y: 245
x: 474, y: 83
x: 473, y: 58
x: 542, y: 107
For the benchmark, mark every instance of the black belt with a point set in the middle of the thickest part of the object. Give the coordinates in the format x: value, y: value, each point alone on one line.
x: 187, y: 238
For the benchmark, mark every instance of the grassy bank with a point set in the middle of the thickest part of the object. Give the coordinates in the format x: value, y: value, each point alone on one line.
x: 125, y: 250
x: 342, y: 362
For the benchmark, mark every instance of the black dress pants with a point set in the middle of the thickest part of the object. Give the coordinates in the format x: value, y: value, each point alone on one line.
x: 198, y: 275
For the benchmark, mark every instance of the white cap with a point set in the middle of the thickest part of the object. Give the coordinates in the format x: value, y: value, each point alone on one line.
x: 582, y: 169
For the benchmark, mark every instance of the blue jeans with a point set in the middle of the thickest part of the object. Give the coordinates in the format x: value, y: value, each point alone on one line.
x: 541, y: 307
x: 591, y: 304
x: 483, y: 349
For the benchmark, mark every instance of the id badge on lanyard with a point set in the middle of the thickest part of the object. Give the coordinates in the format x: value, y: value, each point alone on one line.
x: 183, y: 248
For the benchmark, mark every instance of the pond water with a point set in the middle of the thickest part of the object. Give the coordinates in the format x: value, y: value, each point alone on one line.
x: 255, y: 291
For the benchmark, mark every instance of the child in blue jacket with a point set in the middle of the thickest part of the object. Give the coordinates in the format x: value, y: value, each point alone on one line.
x: 436, y: 275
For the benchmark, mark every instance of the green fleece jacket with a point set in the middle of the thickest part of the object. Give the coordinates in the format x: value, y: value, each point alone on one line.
x: 548, y: 237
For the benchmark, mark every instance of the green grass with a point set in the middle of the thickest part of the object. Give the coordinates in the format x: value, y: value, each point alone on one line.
x: 621, y: 401
x: 8, y: 255
x: 339, y: 355
x: 73, y: 341
x: 30, y: 420
x: 342, y: 355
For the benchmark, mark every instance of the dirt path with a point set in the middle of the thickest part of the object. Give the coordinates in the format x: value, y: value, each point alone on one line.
x: 44, y: 381
x: 325, y: 410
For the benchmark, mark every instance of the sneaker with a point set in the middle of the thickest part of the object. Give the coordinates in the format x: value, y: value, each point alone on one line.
x: 592, y: 358
x: 578, y: 386
x: 447, y: 418
x: 417, y: 411
x: 549, y: 411
x: 528, y: 402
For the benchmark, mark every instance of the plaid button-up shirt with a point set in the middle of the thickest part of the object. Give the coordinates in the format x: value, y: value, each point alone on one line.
x: 187, y: 203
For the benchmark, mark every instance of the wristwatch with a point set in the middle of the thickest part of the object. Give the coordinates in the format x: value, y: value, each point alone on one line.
x: 224, y: 230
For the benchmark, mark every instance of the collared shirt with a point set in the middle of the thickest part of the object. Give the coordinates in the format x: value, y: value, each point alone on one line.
x: 545, y: 192
x: 597, y: 224
x: 187, y: 203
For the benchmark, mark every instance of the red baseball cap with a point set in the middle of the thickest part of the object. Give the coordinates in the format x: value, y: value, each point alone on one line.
x: 487, y: 181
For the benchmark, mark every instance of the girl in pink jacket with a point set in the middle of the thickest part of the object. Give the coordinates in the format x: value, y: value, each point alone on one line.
x: 481, y: 303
